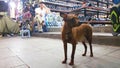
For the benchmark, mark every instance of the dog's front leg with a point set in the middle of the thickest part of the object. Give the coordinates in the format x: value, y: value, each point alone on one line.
x: 65, y: 53
x: 73, y: 53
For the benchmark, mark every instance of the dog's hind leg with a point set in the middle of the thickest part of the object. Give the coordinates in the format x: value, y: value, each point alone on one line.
x: 89, y: 39
x: 91, y: 51
x: 65, y: 52
x: 85, y: 46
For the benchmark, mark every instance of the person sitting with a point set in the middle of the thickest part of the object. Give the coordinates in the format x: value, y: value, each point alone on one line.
x: 41, y: 12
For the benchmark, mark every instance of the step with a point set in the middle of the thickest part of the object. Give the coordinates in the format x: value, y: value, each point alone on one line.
x: 103, y: 29
x: 98, y: 38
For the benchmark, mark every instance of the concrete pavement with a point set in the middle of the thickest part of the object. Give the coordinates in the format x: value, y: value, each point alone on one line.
x: 37, y: 52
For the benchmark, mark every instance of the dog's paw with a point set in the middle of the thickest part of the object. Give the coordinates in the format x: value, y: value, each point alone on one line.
x: 64, y: 62
x: 83, y: 54
x: 91, y: 55
x: 71, y: 63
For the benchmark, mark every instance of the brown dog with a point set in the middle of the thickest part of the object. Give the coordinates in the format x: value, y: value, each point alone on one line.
x: 74, y: 33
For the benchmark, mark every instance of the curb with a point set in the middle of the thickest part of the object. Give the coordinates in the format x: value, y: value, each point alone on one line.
x: 98, y: 38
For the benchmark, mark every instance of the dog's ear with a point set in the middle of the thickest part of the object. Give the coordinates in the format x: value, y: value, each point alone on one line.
x: 73, y: 20
x: 63, y: 15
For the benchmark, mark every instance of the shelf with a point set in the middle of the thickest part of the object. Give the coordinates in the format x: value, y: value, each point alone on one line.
x: 100, y: 1
x: 98, y: 22
x: 73, y: 7
x: 57, y: 4
x: 77, y: 2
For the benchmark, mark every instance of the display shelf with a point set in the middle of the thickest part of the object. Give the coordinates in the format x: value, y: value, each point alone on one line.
x: 58, y: 3
x: 97, y: 22
x: 98, y: 7
x: 75, y: 2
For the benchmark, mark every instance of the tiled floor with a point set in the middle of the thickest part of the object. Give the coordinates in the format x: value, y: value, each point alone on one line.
x: 36, y: 52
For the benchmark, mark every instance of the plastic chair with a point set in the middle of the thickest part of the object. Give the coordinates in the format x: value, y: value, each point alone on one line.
x: 23, y: 32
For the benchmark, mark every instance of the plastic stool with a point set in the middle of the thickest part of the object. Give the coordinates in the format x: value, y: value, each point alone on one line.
x: 22, y: 32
